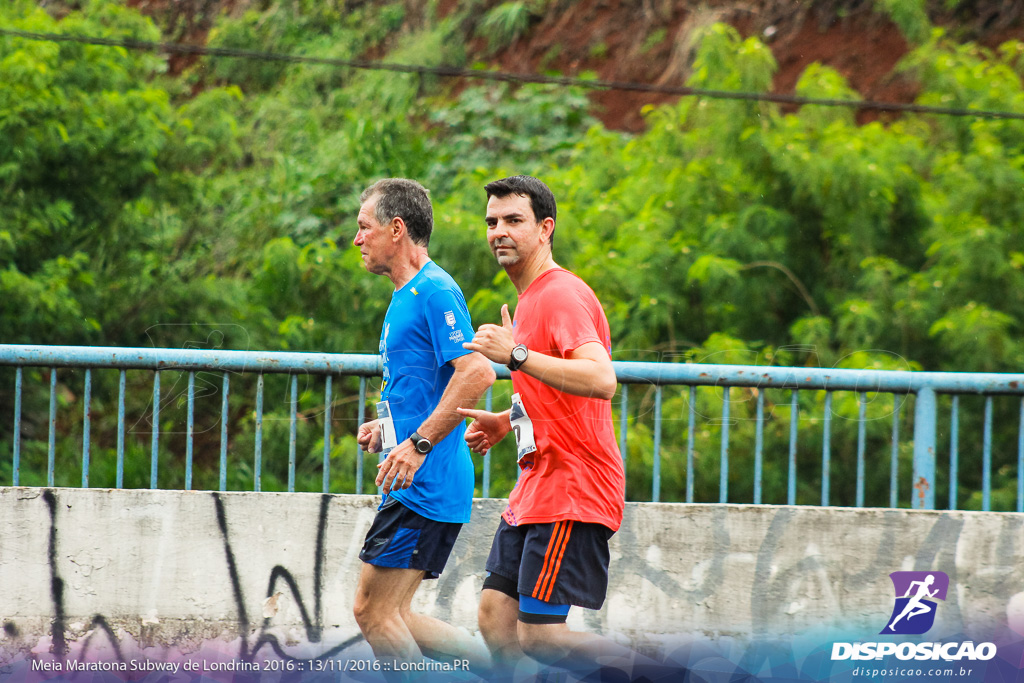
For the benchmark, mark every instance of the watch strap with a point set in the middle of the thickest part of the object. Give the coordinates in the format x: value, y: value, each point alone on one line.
x: 416, y: 439
x: 514, y: 364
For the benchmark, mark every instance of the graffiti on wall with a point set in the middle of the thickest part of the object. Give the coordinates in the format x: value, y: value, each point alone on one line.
x: 309, y: 607
x: 768, y: 573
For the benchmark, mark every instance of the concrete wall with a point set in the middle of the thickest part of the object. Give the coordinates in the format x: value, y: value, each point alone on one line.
x: 245, y: 573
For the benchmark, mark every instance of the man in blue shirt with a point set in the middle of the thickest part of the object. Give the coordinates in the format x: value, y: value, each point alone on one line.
x: 427, y: 475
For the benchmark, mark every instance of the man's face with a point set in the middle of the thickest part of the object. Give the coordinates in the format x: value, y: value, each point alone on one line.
x: 512, y: 230
x: 372, y: 238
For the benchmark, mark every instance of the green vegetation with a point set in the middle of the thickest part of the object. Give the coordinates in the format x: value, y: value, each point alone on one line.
x: 656, y: 37
x: 141, y: 210
x: 910, y: 16
x: 504, y: 24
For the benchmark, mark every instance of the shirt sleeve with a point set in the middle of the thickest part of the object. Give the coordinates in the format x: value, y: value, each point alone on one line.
x: 449, y: 324
x: 575, y: 319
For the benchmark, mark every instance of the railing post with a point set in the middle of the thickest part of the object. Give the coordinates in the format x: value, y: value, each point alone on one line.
x: 923, y: 497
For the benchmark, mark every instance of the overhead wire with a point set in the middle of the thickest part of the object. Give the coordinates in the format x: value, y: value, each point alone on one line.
x: 509, y: 77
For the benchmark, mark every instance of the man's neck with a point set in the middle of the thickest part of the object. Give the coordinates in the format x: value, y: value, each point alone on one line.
x: 524, y: 275
x: 406, y: 266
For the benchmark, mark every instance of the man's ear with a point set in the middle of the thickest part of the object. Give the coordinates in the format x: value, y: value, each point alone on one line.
x: 547, y: 226
x: 398, y: 228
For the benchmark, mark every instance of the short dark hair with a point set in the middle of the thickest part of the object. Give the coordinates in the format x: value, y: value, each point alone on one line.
x: 404, y: 198
x: 542, y: 200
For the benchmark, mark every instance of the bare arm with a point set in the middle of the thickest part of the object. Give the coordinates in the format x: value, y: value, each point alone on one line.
x: 586, y: 372
x: 473, y: 374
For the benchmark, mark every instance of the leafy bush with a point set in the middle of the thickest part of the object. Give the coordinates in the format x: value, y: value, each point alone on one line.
x: 502, y: 25
x: 142, y: 211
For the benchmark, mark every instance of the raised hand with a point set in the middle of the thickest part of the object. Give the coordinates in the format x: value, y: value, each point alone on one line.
x: 495, y: 342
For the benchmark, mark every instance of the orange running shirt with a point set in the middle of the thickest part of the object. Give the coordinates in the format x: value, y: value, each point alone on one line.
x: 576, y: 472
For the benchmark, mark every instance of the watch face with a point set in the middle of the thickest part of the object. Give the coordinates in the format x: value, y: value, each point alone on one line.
x: 519, y: 354
x: 423, y: 446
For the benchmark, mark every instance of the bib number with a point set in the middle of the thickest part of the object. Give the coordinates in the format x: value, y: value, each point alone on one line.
x: 522, y: 427
x: 387, y: 428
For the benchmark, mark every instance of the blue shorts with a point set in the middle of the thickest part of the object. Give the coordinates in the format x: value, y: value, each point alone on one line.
x: 403, y: 539
x: 560, y: 563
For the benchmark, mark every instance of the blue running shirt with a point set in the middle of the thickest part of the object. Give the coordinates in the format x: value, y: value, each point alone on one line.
x: 425, y: 327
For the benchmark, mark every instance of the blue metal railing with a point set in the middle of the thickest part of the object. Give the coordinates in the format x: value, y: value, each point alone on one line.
x: 192, y: 361
x: 925, y: 386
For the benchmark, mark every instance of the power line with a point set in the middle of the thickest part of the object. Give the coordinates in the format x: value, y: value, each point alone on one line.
x: 458, y: 72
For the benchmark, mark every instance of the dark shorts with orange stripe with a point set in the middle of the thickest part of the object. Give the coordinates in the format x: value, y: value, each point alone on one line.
x: 563, y: 563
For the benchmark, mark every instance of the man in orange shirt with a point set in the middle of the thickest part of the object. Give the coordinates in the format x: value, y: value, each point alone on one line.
x: 551, y: 547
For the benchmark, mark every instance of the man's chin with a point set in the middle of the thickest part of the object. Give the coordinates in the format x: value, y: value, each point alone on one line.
x: 506, y: 260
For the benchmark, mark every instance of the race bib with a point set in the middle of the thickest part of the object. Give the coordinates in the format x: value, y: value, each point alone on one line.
x: 387, y: 428
x: 522, y: 427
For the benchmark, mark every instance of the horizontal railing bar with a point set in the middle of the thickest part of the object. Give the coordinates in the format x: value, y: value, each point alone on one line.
x: 627, y: 372
x: 830, y: 379
x: 191, y: 359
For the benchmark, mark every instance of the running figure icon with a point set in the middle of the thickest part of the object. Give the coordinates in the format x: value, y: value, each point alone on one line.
x: 915, y: 606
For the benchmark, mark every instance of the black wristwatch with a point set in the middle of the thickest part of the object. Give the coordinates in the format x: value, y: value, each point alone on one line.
x: 422, y: 444
x: 519, y: 354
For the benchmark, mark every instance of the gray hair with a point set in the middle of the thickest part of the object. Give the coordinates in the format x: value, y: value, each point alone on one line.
x: 404, y: 198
